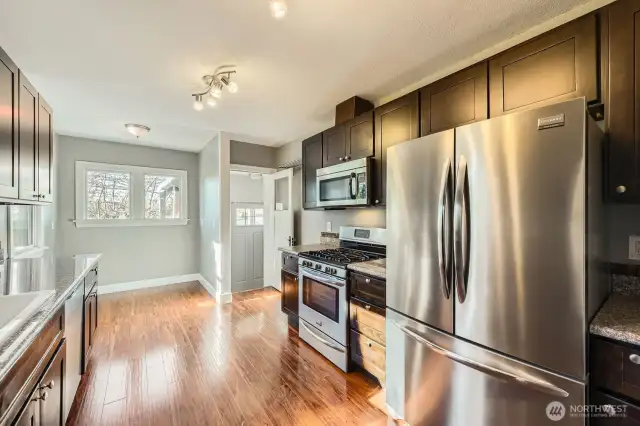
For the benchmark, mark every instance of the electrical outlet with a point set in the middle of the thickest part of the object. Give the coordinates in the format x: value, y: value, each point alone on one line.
x: 328, y: 226
x: 634, y: 247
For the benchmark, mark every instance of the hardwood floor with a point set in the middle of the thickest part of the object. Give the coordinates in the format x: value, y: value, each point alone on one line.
x: 172, y: 356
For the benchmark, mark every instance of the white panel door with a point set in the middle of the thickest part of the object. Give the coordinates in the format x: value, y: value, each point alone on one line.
x: 278, y: 230
x: 247, y: 246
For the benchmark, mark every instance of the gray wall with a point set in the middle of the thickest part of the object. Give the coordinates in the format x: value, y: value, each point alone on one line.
x: 307, y: 223
x: 210, y: 208
x: 249, y: 154
x: 129, y: 253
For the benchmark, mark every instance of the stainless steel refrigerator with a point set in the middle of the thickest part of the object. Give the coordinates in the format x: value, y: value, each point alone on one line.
x: 494, y: 269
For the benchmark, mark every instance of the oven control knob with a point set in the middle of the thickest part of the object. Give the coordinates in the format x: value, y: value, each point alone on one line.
x: 318, y: 266
x: 327, y: 269
x: 334, y: 271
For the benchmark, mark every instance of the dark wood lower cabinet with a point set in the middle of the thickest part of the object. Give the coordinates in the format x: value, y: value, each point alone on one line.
x: 90, y: 324
x: 622, y: 412
x: 51, y: 389
x: 30, y: 415
x: 289, y: 293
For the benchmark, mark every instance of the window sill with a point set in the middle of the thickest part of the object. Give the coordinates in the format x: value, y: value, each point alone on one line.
x: 128, y: 223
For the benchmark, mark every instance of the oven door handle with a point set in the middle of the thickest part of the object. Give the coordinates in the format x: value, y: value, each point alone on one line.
x: 321, y: 340
x: 322, y: 279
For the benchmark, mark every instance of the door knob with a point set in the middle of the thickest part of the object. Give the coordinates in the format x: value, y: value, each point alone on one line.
x: 49, y: 385
x: 634, y: 358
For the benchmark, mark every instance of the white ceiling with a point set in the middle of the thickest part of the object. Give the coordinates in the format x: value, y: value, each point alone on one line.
x: 101, y: 64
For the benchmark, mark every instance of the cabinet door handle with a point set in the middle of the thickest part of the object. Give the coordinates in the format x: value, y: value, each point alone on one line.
x: 341, y: 158
x: 621, y: 189
x: 367, y: 307
x: 35, y: 196
x: 634, y: 358
x: 368, y: 281
x: 369, y: 344
x: 347, y: 158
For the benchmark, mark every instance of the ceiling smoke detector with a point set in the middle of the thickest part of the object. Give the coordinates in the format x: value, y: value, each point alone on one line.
x: 278, y: 8
x: 137, y: 130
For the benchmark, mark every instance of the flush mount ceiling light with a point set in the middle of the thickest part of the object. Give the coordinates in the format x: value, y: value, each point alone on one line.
x: 137, y: 130
x: 278, y: 8
x: 215, y: 84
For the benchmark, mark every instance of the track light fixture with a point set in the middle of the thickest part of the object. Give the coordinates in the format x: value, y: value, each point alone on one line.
x: 215, y: 83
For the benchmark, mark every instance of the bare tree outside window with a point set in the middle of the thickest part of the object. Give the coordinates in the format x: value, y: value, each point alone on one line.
x: 161, y: 197
x: 108, y: 195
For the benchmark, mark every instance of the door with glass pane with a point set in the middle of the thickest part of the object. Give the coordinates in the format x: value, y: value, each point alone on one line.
x: 247, y: 246
x: 278, y: 217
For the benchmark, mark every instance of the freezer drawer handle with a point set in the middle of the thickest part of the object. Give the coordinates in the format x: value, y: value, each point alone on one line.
x: 444, y: 222
x: 320, y: 339
x: 539, y: 385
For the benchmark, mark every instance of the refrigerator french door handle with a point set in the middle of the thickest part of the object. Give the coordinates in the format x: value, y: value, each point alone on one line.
x: 444, y: 221
x: 537, y: 385
x: 460, y: 237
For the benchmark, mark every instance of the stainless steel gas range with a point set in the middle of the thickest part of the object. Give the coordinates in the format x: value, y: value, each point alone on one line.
x: 323, y: 294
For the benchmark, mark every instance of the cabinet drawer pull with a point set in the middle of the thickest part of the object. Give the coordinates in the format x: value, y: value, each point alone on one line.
x: 49, y: 385
x: 368, y: 281
x: 634, y: 358
x: 341, y: 158
x: 369, y: 344
x: 621, y: 189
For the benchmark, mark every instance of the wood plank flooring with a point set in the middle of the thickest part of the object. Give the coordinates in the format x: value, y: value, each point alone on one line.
x: 172, y: 356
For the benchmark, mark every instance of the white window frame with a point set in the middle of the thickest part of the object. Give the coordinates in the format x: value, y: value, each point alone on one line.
x: 136, y: 195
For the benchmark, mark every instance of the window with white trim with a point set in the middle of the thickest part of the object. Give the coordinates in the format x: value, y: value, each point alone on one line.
x: 120, y: 195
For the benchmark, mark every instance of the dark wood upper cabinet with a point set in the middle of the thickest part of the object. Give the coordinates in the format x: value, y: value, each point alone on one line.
x: 45, y: 151
x: 334, y: 146
x: 623, y: 103
x: 28, y: 135
x: 9, y: 89
x: 359, y: 137
x: 311, y: 161
x: 455, y: 100
x: 395, y: 122
x: 559, y: 65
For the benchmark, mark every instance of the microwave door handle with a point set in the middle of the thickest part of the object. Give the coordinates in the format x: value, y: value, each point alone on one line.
x: 353, y: 186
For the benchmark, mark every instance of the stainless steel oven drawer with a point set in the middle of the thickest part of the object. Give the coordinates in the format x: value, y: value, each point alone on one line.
x: 329, y: 348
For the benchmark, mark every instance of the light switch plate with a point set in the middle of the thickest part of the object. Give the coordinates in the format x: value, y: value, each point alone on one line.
x: 328, y: 226
x: 634, y: 247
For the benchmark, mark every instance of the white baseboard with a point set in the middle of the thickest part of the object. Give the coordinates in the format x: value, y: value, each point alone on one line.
x: 159, y: 282
x: 220, y: 297
x: 156, y: 282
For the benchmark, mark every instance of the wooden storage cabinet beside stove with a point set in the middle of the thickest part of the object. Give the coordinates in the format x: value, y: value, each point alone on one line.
x: 615, y: 380
x: 289, y: 287
x: 367, y: 323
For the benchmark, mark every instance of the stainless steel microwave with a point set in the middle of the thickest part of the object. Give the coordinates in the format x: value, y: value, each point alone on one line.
x: 345, y: 184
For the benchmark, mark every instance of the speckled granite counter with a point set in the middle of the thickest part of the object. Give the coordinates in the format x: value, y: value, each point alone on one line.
x: 61, y: 275
x: 375, y: 268
x: 619, y: 319
x: 306, y: 248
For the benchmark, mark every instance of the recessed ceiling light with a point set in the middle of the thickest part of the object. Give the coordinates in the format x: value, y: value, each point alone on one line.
x: 137, y: 130
x: 278, y: 8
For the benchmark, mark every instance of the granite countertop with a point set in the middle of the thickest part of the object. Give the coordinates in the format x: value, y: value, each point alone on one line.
x: 306, y: 248
x: 619, y: 319
x: 376, y: 268
x: 45, y: 272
